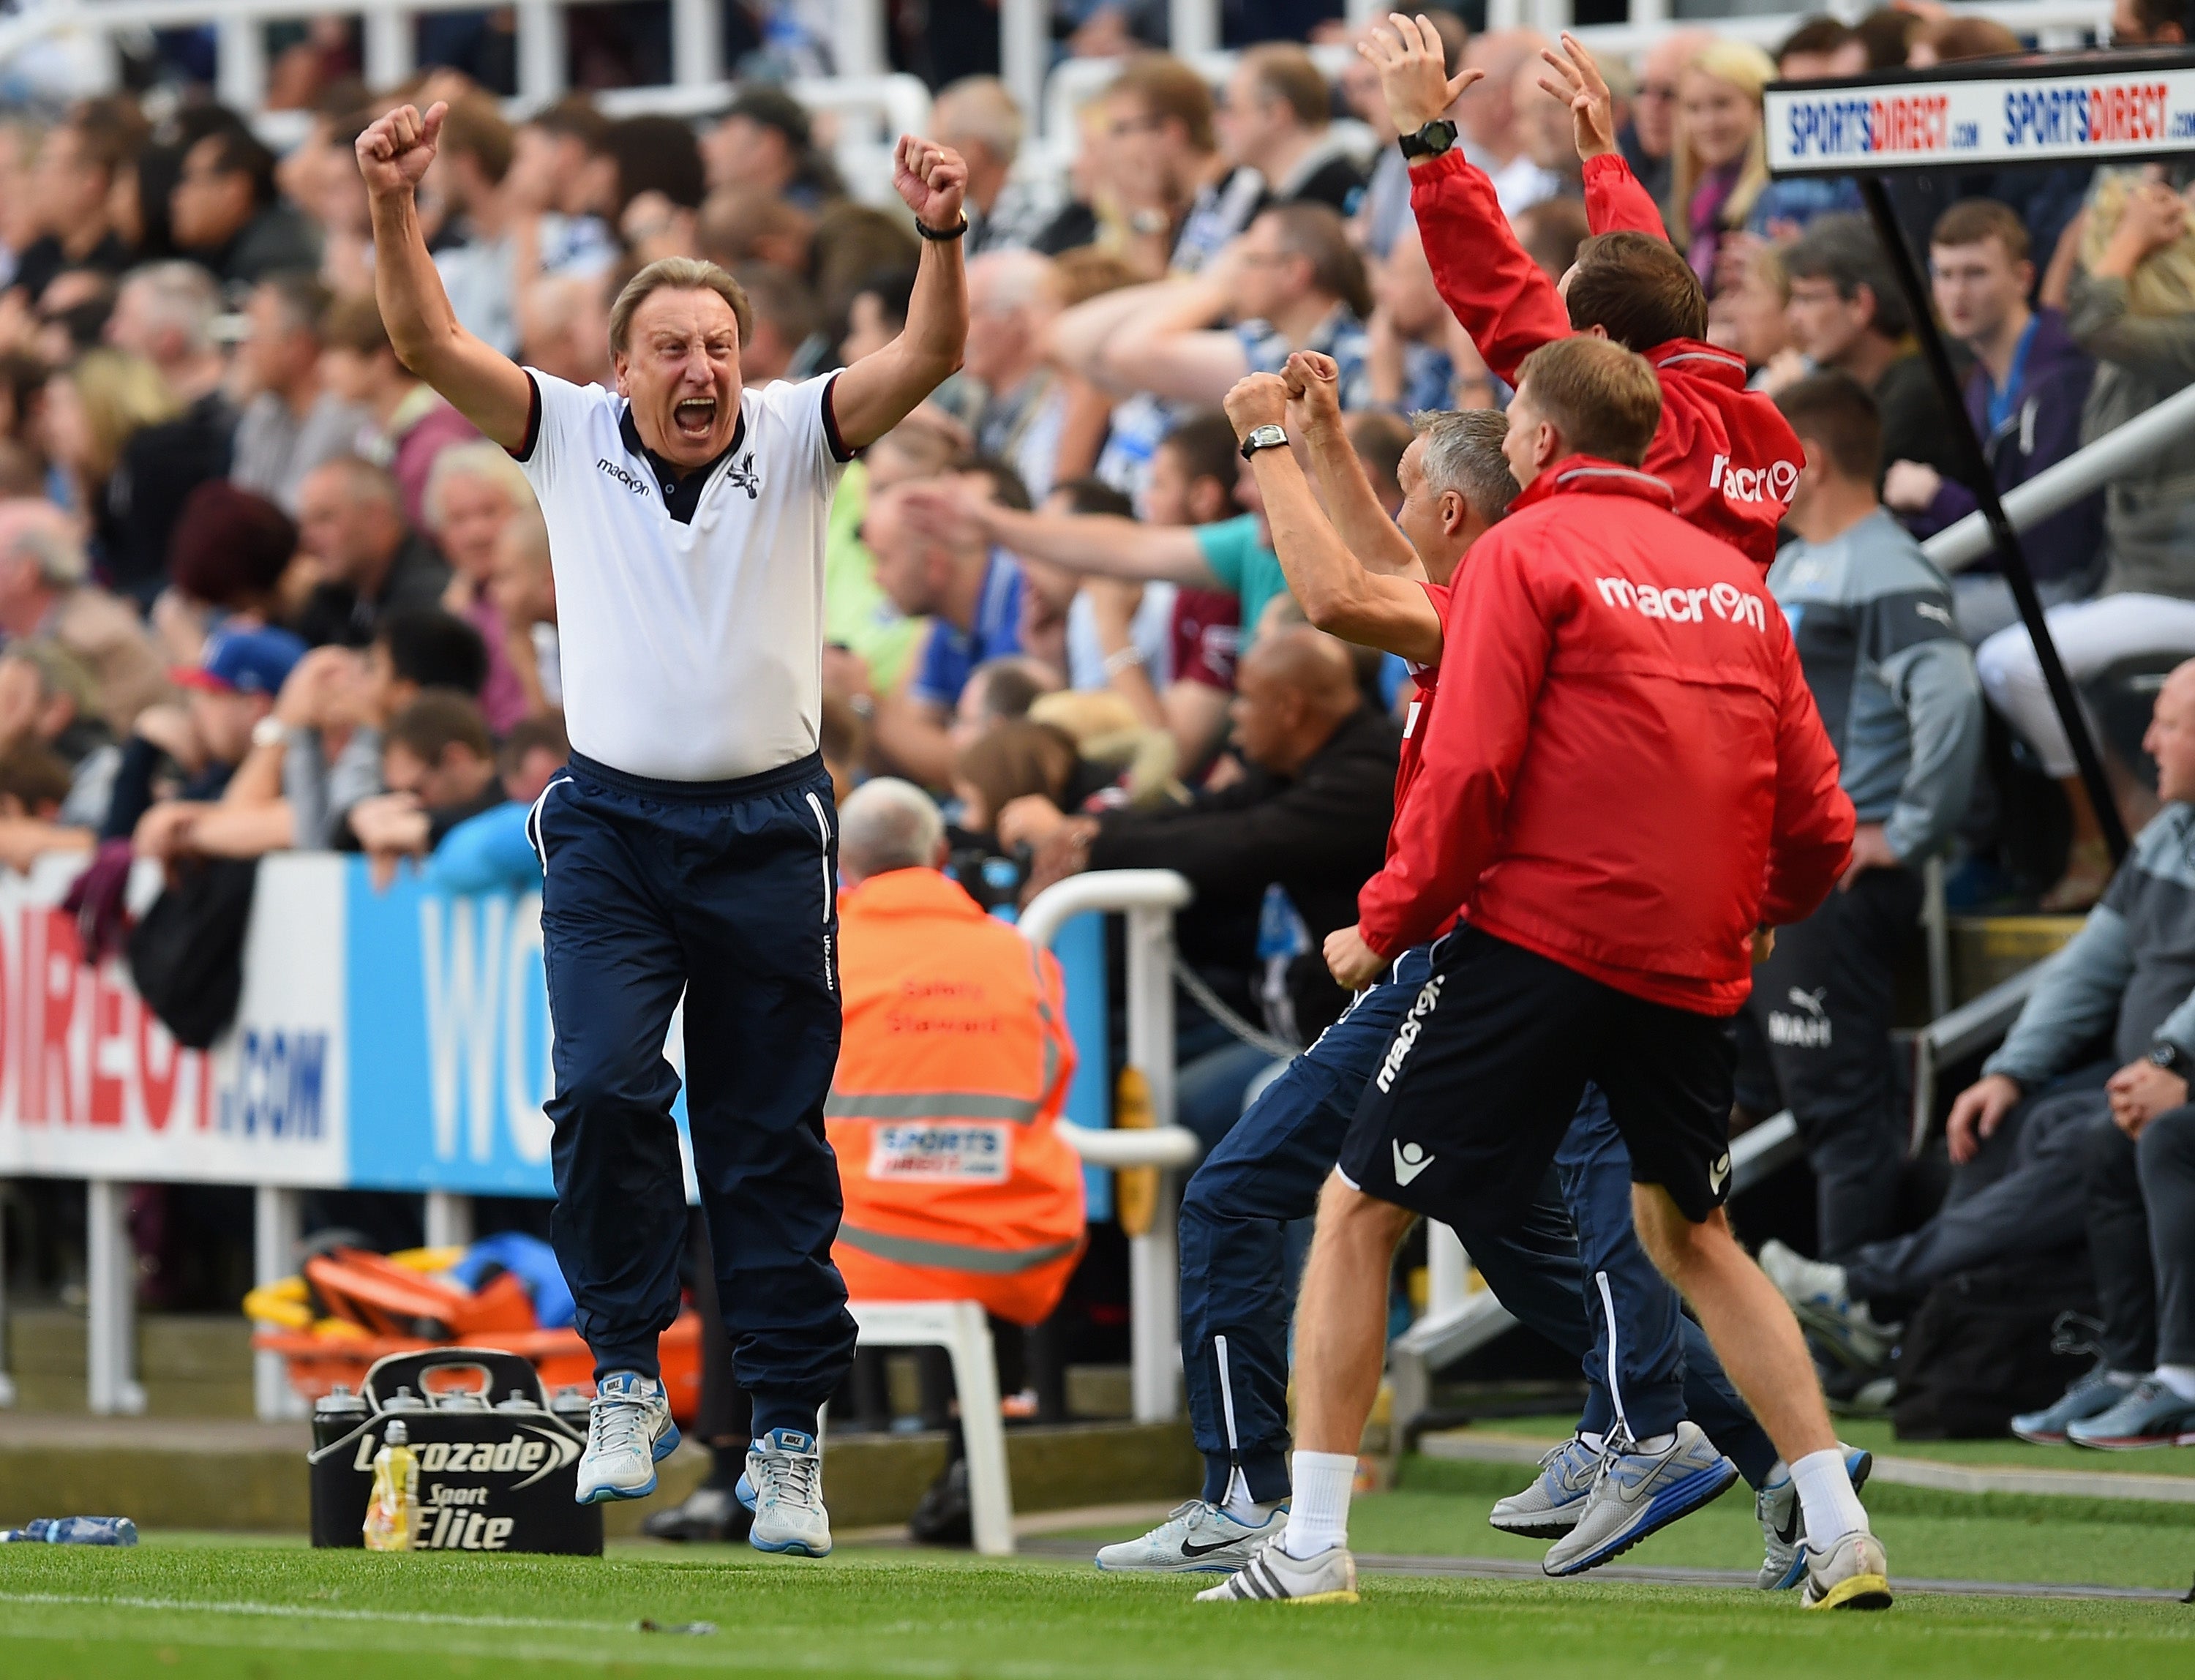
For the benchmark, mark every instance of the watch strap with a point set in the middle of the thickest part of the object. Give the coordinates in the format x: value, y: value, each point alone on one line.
x: 1431, y: 141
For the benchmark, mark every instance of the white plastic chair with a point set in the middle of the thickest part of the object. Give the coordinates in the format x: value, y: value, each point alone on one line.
x: 960, y: 1328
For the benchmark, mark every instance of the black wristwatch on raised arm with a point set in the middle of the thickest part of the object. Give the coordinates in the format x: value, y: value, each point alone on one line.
x: 2173, y: 1057
x: 1429, y: 142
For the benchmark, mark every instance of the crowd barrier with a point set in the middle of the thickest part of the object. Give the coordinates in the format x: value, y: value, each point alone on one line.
x: 394, y: 1040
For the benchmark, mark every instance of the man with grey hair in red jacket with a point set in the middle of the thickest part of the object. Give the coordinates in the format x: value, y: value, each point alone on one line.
x: 1623, y: 779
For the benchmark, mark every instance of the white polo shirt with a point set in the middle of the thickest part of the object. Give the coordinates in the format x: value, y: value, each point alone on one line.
x: 691, y: 651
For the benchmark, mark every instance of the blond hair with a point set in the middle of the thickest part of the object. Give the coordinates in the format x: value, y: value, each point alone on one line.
x: 677, y: 273
x: 2163, y: 282
x: 122, y: 395
x: 1749, y: 69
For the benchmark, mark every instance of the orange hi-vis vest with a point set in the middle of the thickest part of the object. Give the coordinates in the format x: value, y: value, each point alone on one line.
x: 952, y: 1071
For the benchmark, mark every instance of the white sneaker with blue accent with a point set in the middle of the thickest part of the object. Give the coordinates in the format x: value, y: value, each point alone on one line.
x: 629, y: 1429
x: 783, y: 1486
x: 1197, y: 1538
x: 1821, y: 1299
x: 1550, y: 1508
x: 1783, y: 1523
x: 1636, y: 1494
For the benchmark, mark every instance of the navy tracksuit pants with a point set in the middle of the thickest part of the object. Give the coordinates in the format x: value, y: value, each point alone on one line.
x: 1571, y: 1265
x: 724, y: 893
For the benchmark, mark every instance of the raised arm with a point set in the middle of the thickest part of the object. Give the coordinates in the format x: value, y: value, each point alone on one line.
x: 1614, y: 198
x: 1314, y: 384
x: 1375, y: 609
x: 483, y: 384
x: 1103, y: 544
x: 1172, y: 349
x: 1499, y: 293
x: 883, y: 388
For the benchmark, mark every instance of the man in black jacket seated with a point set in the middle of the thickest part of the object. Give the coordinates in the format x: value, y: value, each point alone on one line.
x: 1309, y: 814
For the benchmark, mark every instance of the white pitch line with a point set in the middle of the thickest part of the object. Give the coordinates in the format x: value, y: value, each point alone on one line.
x: 320, y: 1612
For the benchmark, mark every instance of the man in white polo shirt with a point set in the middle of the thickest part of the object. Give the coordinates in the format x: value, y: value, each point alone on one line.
x: 690, y: 848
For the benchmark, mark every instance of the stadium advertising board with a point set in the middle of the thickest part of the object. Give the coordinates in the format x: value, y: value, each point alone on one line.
x: 395, y: 1039
x: 92, y: 1085
x: 2035, y: 110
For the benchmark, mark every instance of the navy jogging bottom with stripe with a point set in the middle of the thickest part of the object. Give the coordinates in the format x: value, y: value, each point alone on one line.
x: 724, y: 894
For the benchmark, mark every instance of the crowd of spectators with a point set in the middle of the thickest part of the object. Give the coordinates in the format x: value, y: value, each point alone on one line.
x: 261, y: 589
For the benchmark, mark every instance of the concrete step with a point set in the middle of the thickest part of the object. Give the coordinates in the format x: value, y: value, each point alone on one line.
x: 191, y: 1364
x: 1987, y: 950
x: 241, y: 1475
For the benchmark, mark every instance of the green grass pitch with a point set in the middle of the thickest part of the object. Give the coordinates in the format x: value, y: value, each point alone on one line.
x: 273, y: 1612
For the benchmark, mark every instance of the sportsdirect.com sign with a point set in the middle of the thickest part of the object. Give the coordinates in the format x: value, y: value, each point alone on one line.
x: 2090, y: 114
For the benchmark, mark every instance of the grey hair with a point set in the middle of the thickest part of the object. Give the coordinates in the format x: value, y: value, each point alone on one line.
x: 183, y: 296
x: 677, y: 273
x: 888, y: 824
x: 58, y: 554
x: 1463, y: 453
x: 979, y: 107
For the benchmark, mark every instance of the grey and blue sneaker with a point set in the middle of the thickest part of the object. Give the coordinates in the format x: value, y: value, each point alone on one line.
x: 1783, y: 1523
x: 629, y: 1429
x: 2095, y: 1394
x: 1637, y: 1493
x: 1550, y: 1508
x: 783, y: 1486
x: 1822, y: 1302
x: 2150, y: 1415
x: 1197, y: 1538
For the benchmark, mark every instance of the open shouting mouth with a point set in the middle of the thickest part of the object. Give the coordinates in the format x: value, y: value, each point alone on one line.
x: 694, y: 416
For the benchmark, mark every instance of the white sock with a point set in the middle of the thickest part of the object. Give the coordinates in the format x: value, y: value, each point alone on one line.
x: 1593, y: 1443
x: 1832, y: 1509
x: 1238, y: 1504
x: 2124, y: 1379
x: 1654, y: 1444
x: 1318, y: 1517
x: 2180, y: 1378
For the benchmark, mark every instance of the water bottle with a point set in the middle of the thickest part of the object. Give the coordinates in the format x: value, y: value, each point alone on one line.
x: 392, y: 1514
x: 74, y: 1531
x: 335, y: 1414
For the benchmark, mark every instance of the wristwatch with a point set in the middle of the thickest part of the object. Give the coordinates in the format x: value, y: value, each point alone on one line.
x: 2172, y: 1058
x: 270, y: 732
x: 1429, y: 142
x: 1267, y: 436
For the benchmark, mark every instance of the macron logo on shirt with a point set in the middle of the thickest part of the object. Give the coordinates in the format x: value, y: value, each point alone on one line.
x: 1726, y: 601
x: 624, y: 476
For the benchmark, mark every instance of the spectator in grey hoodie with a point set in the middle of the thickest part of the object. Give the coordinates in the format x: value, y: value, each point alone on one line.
x: 1895, y: 686
x: 2047, y: 1145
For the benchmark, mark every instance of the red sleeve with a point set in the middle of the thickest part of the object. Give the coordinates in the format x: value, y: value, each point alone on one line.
x: 1615, y: 200
x: 1505, y: 301
x: 1812, y: 844
x: 1497, y: 642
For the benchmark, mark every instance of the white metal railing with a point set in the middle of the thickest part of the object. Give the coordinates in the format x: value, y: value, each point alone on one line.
x: 2059, y: 485
x: 1149, y: 897
x: 1458, y: 1320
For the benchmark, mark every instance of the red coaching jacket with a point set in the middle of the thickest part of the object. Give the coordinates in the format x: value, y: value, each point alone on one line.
x: 1622, y: 769
x: 1731, y: 459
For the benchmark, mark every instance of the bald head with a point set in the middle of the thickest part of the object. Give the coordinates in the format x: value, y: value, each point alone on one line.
x: 1654, y: 107
x: 1292, y: 691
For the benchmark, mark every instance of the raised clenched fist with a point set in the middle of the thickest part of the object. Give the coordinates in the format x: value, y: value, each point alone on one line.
x: 395, y: 151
